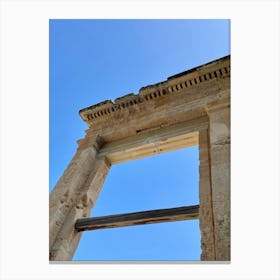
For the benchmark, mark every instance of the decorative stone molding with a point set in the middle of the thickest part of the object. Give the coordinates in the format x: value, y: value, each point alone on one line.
x: 174, y: 84
x: 190, y: 108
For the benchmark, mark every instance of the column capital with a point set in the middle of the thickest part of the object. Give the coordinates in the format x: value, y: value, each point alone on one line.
x: 95, y: 141
x: 217, y: 105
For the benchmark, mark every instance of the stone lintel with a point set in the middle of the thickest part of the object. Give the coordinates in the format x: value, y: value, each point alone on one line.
x: 167, y: 112
x: 154, y: 142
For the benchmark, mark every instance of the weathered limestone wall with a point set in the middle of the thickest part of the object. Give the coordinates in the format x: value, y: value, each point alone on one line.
x: 161, y: 117
x: 206, y: 221
x: 73, y: 197
x: 219, y: 136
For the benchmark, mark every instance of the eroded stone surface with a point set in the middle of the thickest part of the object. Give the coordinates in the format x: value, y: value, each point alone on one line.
x: 74, y: 198
x: 219, y: 123
x: 117, y: 132
x: 206, y: 219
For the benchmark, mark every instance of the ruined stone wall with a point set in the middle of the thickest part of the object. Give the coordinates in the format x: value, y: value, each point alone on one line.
x: 219, y: 138
x: 72, y: 198
x: 189, y: 108
x: 206, y: 219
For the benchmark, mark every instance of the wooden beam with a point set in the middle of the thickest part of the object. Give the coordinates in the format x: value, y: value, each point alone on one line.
x: 138, y: 218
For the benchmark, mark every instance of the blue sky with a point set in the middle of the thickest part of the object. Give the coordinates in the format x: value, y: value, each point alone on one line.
x: 96, y: 60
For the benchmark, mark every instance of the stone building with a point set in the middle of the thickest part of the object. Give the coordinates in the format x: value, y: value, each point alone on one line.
x: 190, y: 108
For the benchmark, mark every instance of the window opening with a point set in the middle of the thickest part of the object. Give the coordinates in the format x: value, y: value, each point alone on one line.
x: 166, y: 180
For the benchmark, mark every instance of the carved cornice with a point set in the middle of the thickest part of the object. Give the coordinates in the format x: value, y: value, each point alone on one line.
x: 178, y: 83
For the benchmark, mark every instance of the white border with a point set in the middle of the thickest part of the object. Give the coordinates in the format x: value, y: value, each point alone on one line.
x: 24, y: 137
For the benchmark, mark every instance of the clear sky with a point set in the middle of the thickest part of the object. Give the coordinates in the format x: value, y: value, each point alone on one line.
x: 96, y: 60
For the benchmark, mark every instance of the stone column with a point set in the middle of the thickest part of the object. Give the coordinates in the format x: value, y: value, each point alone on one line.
x: 219, y: 140
x: 206, y: 221
x: 73, y: 197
